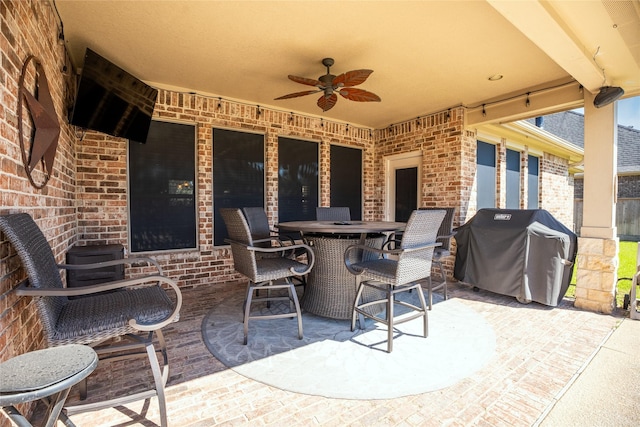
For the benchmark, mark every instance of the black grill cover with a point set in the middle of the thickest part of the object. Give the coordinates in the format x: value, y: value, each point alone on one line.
x: 527, y: 254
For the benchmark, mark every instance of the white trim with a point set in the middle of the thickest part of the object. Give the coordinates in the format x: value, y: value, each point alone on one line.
x: 399, y: 161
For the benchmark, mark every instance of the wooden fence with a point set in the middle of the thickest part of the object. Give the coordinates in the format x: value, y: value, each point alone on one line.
x: 627, y: 218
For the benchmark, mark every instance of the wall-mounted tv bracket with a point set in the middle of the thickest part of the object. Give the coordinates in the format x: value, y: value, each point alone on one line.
x: 42, y: 123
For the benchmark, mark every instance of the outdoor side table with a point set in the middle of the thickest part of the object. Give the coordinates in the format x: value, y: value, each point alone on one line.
x: 44, y: 374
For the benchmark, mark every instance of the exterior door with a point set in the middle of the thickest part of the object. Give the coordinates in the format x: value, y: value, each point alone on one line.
x: 403, y: 182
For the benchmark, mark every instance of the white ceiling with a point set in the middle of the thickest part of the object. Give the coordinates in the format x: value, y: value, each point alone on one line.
x: 427, y: 56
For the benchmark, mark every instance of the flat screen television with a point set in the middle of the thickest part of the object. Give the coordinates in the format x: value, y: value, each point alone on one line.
x: 112, y: 101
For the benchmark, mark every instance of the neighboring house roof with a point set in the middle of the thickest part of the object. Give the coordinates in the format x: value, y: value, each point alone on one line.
x: 569, y: 125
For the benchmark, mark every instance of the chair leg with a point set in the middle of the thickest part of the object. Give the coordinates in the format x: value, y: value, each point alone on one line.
x: 356, y: 302
x: 294, y: 297
x: 158, y: 377
x: 247, y: 310
x: 444, y: 280
x: 423, y: 303
x: 390, y: 297
x: 430, y: 292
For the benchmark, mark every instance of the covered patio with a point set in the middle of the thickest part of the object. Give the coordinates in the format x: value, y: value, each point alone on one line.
x: 451, y: 75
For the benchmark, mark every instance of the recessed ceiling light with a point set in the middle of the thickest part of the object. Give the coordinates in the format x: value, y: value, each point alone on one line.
x: 495, y: 77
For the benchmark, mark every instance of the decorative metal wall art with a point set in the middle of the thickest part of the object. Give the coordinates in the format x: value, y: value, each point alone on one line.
x: 42, y: 142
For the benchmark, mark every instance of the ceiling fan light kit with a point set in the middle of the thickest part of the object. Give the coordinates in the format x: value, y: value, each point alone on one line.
x: 607, y: 95
x: 330, y: 85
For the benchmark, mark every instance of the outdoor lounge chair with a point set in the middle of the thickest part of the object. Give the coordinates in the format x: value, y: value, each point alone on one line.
x: 395, y: 271
x: 333, y: 213
x: 264, y: 272
x: 135, y: 310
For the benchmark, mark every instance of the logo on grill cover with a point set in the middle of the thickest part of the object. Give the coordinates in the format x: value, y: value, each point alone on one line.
x: 502, y: 217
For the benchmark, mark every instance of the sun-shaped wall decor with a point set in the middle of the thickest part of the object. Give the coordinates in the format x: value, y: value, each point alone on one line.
x: 44, y: 128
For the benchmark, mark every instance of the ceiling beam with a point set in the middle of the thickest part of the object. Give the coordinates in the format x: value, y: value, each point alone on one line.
x: 538, y: 21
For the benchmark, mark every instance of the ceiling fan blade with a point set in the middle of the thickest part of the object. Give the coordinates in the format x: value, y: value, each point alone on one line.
x: 327, y: 102
x: 297, y: 94
x: 305, y: 81
x: 359, y: 95
x: 352, y: 78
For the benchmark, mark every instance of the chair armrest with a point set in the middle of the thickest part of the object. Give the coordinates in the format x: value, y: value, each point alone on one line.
x: 382, y: 252
x: 388, y: 242
x: 446, y: 236
x: 282, y: 238
x: 24, y: 290
x: 128, y: 260
x: 290, y: 248
x: 284, y: 249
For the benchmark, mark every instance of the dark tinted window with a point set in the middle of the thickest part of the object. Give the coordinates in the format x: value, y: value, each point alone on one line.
x: 486, y: 175
x: 513, y: 179
x: 238, y: 174
x: 346, y: 179
x: 532, y: 183
x: 297, y: 179
x: 162, y: 189
x: 406, y: 192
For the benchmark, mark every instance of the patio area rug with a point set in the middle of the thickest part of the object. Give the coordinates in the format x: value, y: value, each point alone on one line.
x: 332, y: 361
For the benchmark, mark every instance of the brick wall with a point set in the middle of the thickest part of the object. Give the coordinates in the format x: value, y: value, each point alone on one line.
x: 556, y: 188
x: 445, y: 151
x: 31, y: 28
x: 102, y: 176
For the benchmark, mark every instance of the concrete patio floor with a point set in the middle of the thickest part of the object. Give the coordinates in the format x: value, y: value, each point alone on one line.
x: 541, y: 355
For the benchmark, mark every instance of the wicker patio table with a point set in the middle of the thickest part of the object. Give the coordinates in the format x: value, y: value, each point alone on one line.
x: 330, y: 288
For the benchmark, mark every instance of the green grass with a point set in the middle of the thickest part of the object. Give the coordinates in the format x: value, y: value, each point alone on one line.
x: 626, y: 269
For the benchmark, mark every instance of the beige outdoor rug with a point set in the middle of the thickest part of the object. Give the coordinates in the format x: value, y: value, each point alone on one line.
x: 332, y: 361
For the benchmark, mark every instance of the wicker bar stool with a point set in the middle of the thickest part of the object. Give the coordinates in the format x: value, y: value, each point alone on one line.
x: 411, y: 263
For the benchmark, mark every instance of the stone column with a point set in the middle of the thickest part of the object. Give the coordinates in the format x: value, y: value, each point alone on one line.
x: 598, y: 244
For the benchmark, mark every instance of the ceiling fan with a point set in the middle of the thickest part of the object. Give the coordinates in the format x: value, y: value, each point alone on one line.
x: 330, y: 85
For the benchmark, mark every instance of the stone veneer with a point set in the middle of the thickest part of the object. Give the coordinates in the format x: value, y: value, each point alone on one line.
x: 597, y: 274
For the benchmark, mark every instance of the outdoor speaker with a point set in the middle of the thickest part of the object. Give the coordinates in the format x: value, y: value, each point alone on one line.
x: 607, y: 95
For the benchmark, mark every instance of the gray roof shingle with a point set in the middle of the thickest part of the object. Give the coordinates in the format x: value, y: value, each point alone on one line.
x: 569, y: 125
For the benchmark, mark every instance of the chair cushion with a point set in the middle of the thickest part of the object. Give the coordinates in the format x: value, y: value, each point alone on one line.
x: 277, y: 268
x: 383, y: 269
x: 90, y: 319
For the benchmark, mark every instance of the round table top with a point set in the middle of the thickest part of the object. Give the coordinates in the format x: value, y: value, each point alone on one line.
x: 41, y: 373
x: 338, y: 227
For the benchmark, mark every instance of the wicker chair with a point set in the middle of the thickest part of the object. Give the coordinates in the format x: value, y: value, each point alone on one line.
x: 334, y: 213
x: 264, y: 237
x: 263, y: 272
x: 445, y: 233
x: 135, y: 312
x: 261, y: 233
x: 395, y: 271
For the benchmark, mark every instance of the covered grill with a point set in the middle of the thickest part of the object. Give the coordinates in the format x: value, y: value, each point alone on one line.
x: 527, y: 254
